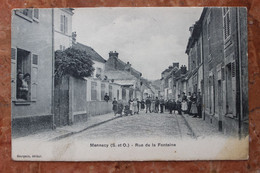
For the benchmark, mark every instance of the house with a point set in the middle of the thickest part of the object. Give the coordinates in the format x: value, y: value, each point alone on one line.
x: 32, y: 53
x: 123, y: 74
x: 221, y: 36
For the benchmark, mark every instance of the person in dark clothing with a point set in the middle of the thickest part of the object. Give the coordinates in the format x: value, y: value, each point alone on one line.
x: 157, y: 102
x: 199, y: 105
x: 161, y: 105
x: 142, y: 104
x: 19, y: 85
x: 138, y: 105
x: 114, y: 103
x: 189, y: 103
x: 148, y: 104
x: 106, y: 97
x: 170, y: 106
x: 174, y: 105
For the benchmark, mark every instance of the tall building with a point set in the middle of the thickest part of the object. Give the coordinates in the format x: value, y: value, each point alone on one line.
x: 32, y: 53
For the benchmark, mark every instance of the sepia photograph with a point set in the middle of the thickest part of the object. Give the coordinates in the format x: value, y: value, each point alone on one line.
x: 129, y: 83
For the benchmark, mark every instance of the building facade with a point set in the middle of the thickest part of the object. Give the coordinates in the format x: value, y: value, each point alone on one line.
x: 219, y: 38
x: 32, y: 53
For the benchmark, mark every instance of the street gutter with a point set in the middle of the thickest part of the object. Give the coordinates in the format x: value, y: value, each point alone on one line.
x: 89, y: 127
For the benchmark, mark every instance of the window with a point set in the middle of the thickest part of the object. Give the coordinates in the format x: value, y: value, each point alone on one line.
x: 208, y: 34
x: 98, y: 72
x: 208, y: 25
x: 93, y: 90
x: 24, y: 75
x: 227, y: 25
x: 64, y: 24
x: 29, y: 14
x: 103, y: 90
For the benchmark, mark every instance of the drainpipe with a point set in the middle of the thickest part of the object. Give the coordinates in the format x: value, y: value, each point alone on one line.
x: 240, y: 107
x: 53, y: 66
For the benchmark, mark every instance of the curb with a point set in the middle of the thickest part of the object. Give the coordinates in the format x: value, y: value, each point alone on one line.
x: 73, y: 133
x: 187, y: 123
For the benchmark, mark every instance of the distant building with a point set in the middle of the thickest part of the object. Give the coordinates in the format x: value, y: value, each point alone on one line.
x: 125, y: 75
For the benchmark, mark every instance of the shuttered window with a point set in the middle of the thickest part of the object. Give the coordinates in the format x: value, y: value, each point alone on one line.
x: 233, y: 69
x: 64, y: 24
x: 227, y: 25
x: 34, y: 77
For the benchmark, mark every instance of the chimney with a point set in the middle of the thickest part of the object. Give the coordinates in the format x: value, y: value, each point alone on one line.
x: 113, y: 54
x: 183, y: 69
x: 175, y: 64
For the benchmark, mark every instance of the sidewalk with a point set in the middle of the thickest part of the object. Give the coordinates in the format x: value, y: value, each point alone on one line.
x: 201, y: 128
x: 65, y: 131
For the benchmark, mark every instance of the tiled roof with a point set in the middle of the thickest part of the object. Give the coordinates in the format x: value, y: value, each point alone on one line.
x: 119, y: 75
x: 94, y: 55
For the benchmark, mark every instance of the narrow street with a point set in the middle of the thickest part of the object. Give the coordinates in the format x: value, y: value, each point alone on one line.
x: 142, y: 125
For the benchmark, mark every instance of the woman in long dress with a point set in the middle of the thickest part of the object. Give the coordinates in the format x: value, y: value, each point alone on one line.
x: 193, y: 109
x: 135, y: 110
x: 114, y: 103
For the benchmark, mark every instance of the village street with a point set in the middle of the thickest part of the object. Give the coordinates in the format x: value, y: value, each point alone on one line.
x: 150, y: 125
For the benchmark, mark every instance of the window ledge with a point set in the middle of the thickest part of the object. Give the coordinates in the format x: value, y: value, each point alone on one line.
x: 22, y: 102
x: 23, y: 16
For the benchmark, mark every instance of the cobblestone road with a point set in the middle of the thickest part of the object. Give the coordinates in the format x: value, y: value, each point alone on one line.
x: 148, y: 125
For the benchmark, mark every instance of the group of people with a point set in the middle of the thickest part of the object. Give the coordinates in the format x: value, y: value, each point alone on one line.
x: 22, y: 86
x: 190, y: 104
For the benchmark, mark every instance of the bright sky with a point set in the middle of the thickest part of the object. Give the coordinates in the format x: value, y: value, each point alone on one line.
x: 151, y: 39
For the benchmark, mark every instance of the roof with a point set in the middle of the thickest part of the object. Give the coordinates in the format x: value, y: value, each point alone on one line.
x: 119, y: 75
x: 125, y: 82
x: 93, y: 54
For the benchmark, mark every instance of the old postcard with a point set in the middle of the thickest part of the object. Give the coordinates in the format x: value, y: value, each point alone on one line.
x: 107, y: 84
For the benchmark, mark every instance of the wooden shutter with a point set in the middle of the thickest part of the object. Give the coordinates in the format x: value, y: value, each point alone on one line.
x: 13, y: 72
x: 34, y: 77
x: 65, y: 24
x: 61, y: 23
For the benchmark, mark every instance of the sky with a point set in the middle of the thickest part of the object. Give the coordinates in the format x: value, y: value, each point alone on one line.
x: 150, y: 38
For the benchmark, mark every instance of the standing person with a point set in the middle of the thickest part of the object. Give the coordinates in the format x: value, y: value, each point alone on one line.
x: 161, y: 105
x: 120, y: 107
x: 152, y: 105
x: 138, y: 105
x: 170, y: 105
x: 114, y: 103
x: 157, y: 102
x: 199, y: 105
x: 148, y: 104
x: 25, y: 86
x: 189, y: 102
x: 194, y: 110
x: 184, y: 106
x: 178, y: 104
x: 174, y: 105
x: 142, y: 104
x: 184, y: 97
x: 106, y: 97
x: 135, y: 111
x: 131, y: 107
x: 166, y: 105
x: 19, y: 85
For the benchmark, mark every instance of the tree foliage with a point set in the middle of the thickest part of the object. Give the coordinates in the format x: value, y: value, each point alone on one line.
x: 74, y: 62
